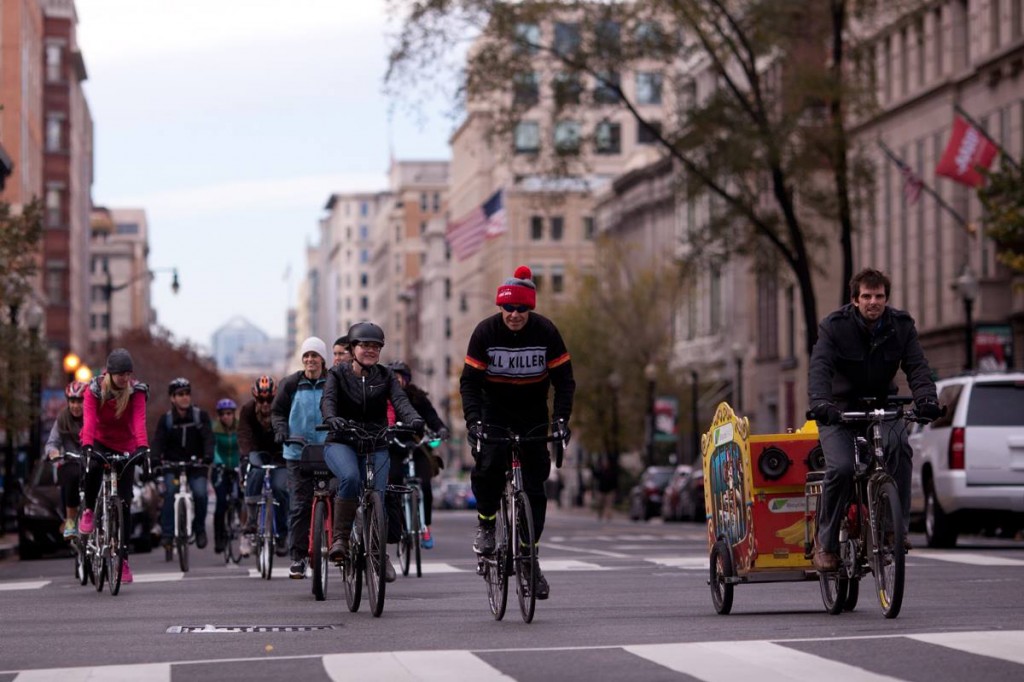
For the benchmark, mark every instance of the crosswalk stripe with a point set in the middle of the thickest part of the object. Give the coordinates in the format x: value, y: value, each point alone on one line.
x: 728, y: 661
x: 151, y: 672
x: 970, y: 558
x: 157, y: 577
x: 555, y: 565
x: 684, y: 562
x: 1008, y: 646
x: 398, y: 666
x: 23, y: 585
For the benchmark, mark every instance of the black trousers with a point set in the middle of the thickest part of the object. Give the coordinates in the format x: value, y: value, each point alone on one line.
x: 300, y: 489
x: 488, y: 479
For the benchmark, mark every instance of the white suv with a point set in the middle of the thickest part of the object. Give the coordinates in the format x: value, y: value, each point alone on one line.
x: 969, y: 464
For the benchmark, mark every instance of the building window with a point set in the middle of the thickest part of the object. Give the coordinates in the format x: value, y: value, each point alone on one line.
x: 526, y: 89
x: 608, y: 39
x: 557, y: 279
x: 589, y: 228
x: 767, y: 317
x: 423, y: 227
x: 1016, y: 19
x: 608, y: 138
x: 557, y: 228
x: 364, y: 208
x: 527, y: 38
x: 527, y: 137
x: 447, y: 330
x: 56, y: 272
x: 715, y: 301
x: 887, y: 68
x: 567, y: 89
x: 364, y: 256
x: 54, y: 125
x: 606, y: 90
x: 649, y: 37
x: 939, y: 54
x: 54, y: 198
x: 54, y: 54
x: 127, y: 228
x: 364, y: 303
x: 536, y: 228
x: 567, y: 137
x: 994, y: 22
x: 437, y: 202
x: 567, y: 38
x: 648, y: 134
x: 538, y: 276
x: 904, y: 62
x: 919, y: 53
x: 364, y: 280
x: 648, y: 87
x: 447, y: 288
x: 424, y: 202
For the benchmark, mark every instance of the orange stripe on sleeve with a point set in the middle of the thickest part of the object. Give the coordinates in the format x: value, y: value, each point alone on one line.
x: 476, y: 364
x: 560, y: 360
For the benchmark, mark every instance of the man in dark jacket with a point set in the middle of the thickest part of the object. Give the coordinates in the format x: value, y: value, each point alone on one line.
x: 182, y: 433
x: 257, y: 446
x: 860, y: 347
x: 513, y: 359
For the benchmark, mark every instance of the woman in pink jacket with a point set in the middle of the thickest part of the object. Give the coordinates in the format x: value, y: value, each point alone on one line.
x: 114, y: 422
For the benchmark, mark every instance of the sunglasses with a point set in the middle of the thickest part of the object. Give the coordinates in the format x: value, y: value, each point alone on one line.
x: 369, y: 345
x: 75, y: 401
x: 177, y: 393
x: 264, y: 401
x: 515, y: 308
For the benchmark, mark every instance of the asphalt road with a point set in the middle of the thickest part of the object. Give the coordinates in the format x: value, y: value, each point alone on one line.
x: 628, y: 601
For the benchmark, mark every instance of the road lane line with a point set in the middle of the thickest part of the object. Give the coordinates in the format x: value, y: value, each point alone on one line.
x: 158, y: 577
x: 151, y: 672
x: 730, y: 661
x: 431, y: 666
x: 683, y: 562
x: 969, y: 558
x: 554, y: 565
x: 583, y: 550
x: 1006, y: 646
x: 24, y: 585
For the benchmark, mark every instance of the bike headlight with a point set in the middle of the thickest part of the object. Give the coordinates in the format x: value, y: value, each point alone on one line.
x: 434, y: 443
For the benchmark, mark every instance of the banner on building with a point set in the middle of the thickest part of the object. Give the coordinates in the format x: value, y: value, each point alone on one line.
x: 968, y: 152
x: 993, y: 348
x: 467, y: 235
x: 666, y: 416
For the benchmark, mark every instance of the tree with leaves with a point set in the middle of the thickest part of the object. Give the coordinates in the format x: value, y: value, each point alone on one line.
x: 766, y: 149
x: 1002, y: 196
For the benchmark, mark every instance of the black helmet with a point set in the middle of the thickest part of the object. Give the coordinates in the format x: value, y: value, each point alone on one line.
x: 179, y: 384
x: 399, y: 367
x: 341, y: 340
x: 119, y: 360
x: 362, y: 332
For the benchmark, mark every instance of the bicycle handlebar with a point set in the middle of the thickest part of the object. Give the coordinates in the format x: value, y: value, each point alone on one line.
x: 511, y: 436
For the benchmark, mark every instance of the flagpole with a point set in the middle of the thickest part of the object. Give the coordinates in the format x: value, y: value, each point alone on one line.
x: 977, y: 126
x: 900, y: 163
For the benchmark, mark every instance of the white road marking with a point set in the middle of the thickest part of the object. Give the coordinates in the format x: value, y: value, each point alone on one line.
x: 969, y: 558
x: 151, y: 672
x: 683, y: 562
x: 398, y: 666
x: 157, y: 577
x: 587, y: 550
x: 1007, y: 646
x: 24, y: 585
x: 554, y: 565
x: 730, y: 661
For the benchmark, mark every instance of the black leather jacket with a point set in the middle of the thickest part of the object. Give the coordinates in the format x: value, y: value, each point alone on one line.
x: 364, y: 400
x: 850, y: 362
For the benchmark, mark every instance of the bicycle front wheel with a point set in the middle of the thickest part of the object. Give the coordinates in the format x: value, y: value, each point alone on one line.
x: 524, y: 553
x: 267, y: 540
x: 404, y: 548
x: 888, y: 562
x: 82, y: 568
x: 319, y: 549
x: 115, y: 550
x: 417, y: 530
x: 496, y: 567
x: 352, y: 572
x: 181, y: 533
x: 232, y: 532
x: 98, y: 543
x: 375, y: 535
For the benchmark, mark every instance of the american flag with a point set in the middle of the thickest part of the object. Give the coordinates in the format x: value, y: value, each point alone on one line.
x: 912, y: 184
x: 467, y: 235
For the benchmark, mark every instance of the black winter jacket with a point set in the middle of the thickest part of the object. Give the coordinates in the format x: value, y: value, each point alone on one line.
x: 364, y: 400
x: 850, y: 362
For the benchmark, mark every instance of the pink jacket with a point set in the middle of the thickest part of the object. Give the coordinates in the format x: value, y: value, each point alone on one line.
x: 102, y: 426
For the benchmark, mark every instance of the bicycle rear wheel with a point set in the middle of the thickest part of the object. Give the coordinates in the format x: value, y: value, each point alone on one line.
x: 417, y: 530
x: 82, y: 568
x: 319, y: 549
x: 496, y: 567
x: 181, y: 533
x: 352, y: 572
x: 888, y: 562
x: 115, y: 550
x: 404, y: 546
x: 375, y: 535
x: 524, y: 553
x: 233, y: 532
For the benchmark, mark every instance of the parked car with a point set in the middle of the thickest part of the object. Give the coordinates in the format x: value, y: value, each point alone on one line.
x: 40, y: 515
x: 645, y: 496
x: 969, y: 464
x: 455, y: 495
x: 691, y: 500
x: 671, y: 509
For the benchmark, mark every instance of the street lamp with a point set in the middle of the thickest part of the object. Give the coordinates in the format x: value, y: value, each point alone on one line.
x: 109, y: 289
x: 738, y: 350
x: 71, y: 364
x: 34, y: 320
x: 651, y: 375
x: 615, y: 383
x: 967, y: 286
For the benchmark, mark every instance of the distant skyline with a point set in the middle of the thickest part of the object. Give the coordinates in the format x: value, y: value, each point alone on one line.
x: 230, y: 123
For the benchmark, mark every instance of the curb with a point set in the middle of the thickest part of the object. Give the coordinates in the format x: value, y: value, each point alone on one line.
x: 8, y: 549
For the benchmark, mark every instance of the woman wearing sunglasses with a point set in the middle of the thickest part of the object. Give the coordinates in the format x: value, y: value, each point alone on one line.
x: 513, y: 359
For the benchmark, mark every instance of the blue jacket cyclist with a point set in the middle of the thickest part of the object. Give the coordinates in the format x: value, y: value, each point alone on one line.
x: 295, y: 413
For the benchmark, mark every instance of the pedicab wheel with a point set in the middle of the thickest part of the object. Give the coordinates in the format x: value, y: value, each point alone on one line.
x: 721, y: 569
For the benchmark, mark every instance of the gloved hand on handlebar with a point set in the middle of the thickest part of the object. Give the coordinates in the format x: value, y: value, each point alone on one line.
x: 418, y: 426
x: 826, y: 413
x: 336, y: 423
x: 87, y: 452
x: 561, y: 431
x: 141, y: 451
x: 280, y: 437
x: 443, y: 433
x: 928, y: 409
x: 474, y: 431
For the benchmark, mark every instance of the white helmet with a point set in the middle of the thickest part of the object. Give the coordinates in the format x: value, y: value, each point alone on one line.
x: 316, y: 345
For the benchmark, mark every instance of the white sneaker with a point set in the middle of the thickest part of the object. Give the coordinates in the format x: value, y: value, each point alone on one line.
x: 245, y: 546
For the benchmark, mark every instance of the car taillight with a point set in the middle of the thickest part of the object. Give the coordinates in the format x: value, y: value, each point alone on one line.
x: 956, y: 448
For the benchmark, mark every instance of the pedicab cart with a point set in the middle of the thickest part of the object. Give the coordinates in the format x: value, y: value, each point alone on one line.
x: 760, y: 494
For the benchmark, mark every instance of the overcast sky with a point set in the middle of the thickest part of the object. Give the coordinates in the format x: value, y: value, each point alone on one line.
x: 231, y: 122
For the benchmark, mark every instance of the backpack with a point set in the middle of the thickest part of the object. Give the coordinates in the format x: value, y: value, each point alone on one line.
x: 169, y: 418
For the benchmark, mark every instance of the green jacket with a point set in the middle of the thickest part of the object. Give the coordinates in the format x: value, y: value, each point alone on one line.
x: 225, y: 445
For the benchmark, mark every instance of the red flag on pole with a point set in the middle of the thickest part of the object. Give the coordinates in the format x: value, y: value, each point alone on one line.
x: 968, y: 150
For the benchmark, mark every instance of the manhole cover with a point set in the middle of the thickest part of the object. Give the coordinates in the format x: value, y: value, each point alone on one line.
x: 220, y: 629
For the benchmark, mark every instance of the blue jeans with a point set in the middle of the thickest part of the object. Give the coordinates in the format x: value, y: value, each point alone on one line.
x: 197, y: 483
x: 350, y: 469
x: 279, y: 485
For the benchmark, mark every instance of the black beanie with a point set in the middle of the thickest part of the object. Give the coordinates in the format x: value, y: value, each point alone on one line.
x: 119, y: 361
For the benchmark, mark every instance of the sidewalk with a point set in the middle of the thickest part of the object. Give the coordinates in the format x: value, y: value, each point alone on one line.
x: 8, y: 545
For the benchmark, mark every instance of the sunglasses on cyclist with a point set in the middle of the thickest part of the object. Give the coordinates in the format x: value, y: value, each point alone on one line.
x: 515, y: 308
x: 369, y: 345
x: 264, y: 401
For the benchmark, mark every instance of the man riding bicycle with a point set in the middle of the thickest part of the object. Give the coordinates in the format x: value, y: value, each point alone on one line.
x: 256, y: 447
x: 512, y: 360
x: 860, y: 347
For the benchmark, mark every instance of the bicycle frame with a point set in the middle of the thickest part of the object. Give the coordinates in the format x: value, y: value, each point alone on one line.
x: 184, y: 493
x: 106, y: 551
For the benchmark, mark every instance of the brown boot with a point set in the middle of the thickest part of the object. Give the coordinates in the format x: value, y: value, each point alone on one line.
x: 344, y: 514
x: 824, y: 561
